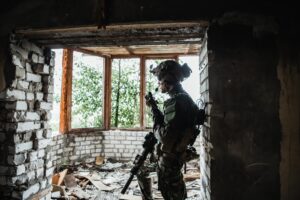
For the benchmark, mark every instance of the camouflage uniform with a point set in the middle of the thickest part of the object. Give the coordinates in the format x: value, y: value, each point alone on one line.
x: 174, y: 136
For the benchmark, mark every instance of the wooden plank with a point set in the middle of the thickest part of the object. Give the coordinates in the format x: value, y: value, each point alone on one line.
x: 107, y: 92
x: 66, y: 92
x: 142, y: 90
x: 41, y: 194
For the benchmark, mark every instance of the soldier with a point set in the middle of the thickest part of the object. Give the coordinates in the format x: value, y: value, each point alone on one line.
x: 175, y: 133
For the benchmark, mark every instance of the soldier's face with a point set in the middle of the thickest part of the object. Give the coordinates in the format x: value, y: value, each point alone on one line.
x: 164, y: 87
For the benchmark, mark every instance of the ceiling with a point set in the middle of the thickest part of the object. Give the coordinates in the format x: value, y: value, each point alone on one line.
x: 124, y: 39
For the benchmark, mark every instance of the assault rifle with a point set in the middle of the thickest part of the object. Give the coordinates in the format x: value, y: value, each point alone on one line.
x: 148, y: 146
x: 158, y: 117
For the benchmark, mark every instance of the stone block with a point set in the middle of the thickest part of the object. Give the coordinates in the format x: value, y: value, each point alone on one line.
x: 18, y: 180
x: 41, y: 143
x: 48, y: 80
x: 22, y: 85
x: 31, y: 47
x: 33, y: 156
x: 20, y: 72
x: 16, y: 159
x: 40, y: 68
x: 12, y: 95
x: 16, y: 105
x: 38, y: 134
x: 41, y: 153
x: 48, y: 89
x: 40, y: 173
x: 30, y: 96
x: 28, y: 67
x: 18, y: 148
x: 39, y: 96
x: 32, y: 116
x: 43, y: 105
x: 35, y: 164
x: 33, y: 77
x: 49, y: 172
x: 31, y: 191
x: 25, y: 126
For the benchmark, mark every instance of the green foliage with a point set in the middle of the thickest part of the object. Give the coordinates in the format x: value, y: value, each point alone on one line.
x: 125, y: 93
x: 87, y: 97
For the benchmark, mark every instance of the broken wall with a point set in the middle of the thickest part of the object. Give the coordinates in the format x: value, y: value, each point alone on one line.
x: 204, y: 139
x: 244, y: 123
x: 76, y: 148
x: 26, y: 167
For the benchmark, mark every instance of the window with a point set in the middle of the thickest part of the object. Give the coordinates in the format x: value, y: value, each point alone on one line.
x: 87, y: 91
x: 110, y: 92
x: 125, y: 93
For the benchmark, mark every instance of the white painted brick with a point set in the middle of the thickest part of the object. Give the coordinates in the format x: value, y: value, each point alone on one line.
x: 25, y: 126
x: 49, y: 171
x: 31, y: 47
x: 30, y: 96
x: 34, y: 57
x: 20, y: 72
x: 33, y: 77
x: 39, y: 96
x: 43, y: 183
x: 43, y: 105
x: 38, y: 134
x: 22, y: 85
x: 16, y: 159
x: 12, y: 95
x: 33, y: 156
x: 17, y: 105
x: 16, y: 59
x: 20, y: 169
x: 41, y: 68
x: 28, y: 67
x: 32, y: 116
x: 39, y: 172
x: 18, y: 180
x: 31, y: 190
x: 41, y: 143
x: 41, y: 153
x: 20, y: 147
x: 36, y: 164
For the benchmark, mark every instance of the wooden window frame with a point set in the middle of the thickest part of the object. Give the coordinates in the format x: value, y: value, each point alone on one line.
x: 66, y: 99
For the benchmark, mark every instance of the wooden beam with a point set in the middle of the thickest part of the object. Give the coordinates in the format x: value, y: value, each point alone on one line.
x: 66, y: 92
x: 90, y: 52
x: 107, y: 92
x: 142, y: 91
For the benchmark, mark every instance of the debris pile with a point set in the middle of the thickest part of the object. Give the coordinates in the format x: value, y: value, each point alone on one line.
x: 104, y: 180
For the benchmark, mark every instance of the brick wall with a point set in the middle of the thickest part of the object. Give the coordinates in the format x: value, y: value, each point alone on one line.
x: 86, y: 146
x: 205, y: 144
x: 25, y: 165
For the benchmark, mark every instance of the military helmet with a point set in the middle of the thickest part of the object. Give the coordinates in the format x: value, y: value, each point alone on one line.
x: 171, y: 71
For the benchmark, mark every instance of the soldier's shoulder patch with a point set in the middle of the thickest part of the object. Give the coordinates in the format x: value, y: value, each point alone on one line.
x: 169, y: 110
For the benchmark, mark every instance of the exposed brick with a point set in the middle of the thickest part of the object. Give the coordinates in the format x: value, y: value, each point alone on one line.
x: 30, y: 96
x: 20, y: 72
x: 32, y: 116
x: 16, y: 159
x: 12, y: 95
x: 22, y: 85
x: 31, y: 190
x: 41, y: 143
x: 43, y: 105
x: 39, y: 96
x: 40, y: 68
x: 17, y: 105
x: 33, y: 77
x: 17, y: 148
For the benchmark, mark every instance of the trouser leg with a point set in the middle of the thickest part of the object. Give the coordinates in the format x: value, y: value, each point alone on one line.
x: 170, y: 179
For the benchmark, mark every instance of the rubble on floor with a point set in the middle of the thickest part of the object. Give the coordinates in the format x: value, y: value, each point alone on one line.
x: 105, y: 180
